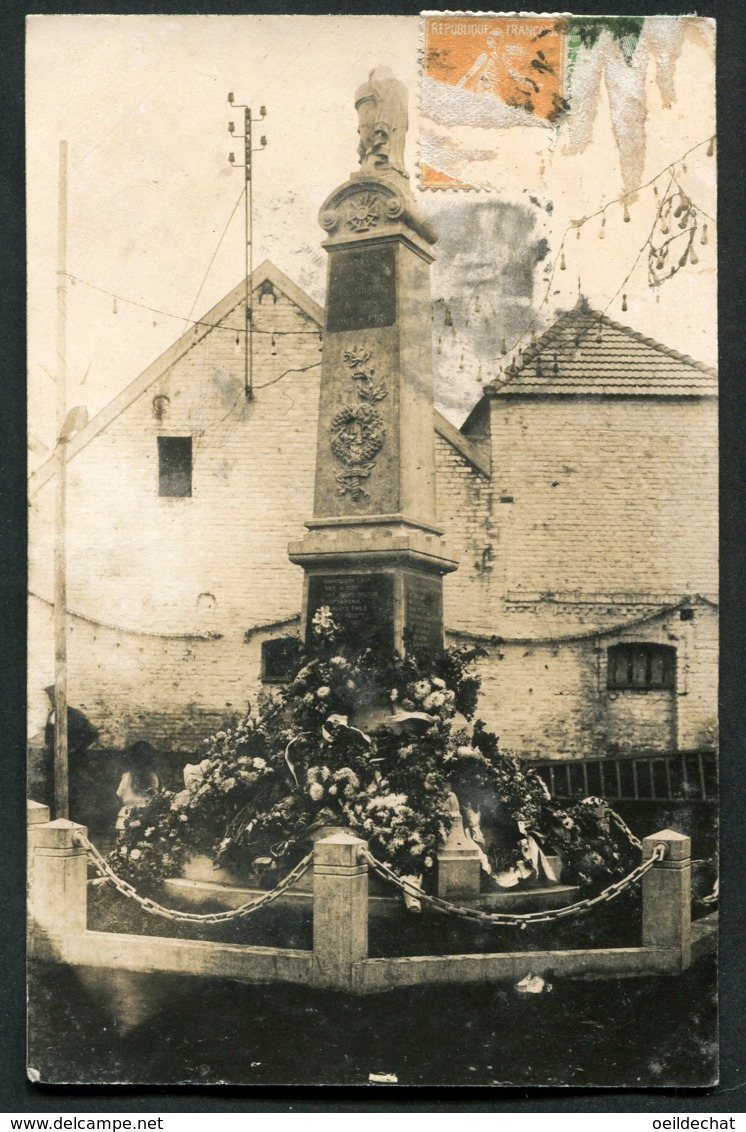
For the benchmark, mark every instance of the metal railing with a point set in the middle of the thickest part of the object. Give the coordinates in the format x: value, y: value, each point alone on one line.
x: 677, y: 776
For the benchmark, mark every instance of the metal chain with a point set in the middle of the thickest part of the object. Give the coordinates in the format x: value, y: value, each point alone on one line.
x: 622, y: 826
x: 191, y: 917
x: 618, y: 821
x: 515, y: 919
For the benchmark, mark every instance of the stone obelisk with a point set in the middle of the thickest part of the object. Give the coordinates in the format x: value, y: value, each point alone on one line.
x: 373, y: 557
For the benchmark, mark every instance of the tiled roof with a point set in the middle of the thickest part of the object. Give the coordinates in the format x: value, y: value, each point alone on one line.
x: 584, y: 352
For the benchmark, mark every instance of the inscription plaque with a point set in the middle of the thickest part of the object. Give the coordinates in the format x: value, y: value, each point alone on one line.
x: 423, y: 612
x: 362, y: 289
x: 362, y: 606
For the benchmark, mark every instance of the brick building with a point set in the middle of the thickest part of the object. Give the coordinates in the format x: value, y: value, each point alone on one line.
x: 580, y: 496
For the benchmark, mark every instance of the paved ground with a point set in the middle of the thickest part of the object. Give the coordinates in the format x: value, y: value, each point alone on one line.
x: 103, y: 1027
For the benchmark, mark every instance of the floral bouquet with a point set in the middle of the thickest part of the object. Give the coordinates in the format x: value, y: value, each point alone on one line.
x: 378, y: 745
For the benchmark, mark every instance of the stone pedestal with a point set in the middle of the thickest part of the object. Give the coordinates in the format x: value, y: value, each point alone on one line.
x: 374, y: 555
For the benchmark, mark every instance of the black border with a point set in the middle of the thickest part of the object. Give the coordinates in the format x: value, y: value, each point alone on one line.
x: 18, y: 1095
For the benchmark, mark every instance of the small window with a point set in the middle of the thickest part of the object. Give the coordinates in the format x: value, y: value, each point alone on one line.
x: 641, y: 666
x: 174, y: 465
x: 280, y: 659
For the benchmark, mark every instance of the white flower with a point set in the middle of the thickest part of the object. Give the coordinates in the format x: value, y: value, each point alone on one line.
x: 333, y: 789
x: 195, y: 772
x: 180, y: 800
x: 323, y: 692
x: 438, y: 683
x: 323, y: 623
x: 260, y: 764
x: 421, y: 688
x: 394, y: 695
x: 135, y: 854
x: 339, y: 662
x: 388, y: 802
x: 428, y: 862
x: 183, y: 817
x: 434, y: 700
x: 150, y: 832
x: 316, y: 790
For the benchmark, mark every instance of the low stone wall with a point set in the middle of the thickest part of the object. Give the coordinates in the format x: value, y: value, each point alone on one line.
x: 339, y: 958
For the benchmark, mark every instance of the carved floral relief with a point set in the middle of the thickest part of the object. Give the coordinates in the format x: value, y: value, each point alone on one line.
x: 358, y: 431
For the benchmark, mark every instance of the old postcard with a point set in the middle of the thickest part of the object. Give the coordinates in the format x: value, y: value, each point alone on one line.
x: 373, y: 587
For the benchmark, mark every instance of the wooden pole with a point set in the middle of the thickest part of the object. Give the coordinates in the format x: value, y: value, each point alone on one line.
x: 248, y: 265
x: 61, y: 791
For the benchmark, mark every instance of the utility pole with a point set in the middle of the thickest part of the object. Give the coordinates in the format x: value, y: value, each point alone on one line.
x: 248, y: 231
x: 61, y: 793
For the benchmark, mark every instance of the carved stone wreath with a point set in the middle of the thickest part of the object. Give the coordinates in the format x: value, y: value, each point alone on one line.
x: 358, y: 433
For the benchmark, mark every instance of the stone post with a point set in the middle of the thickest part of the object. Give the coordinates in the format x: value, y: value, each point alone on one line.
x: 340, y: 910
x: 58, y: 886
x: 459, y: 862
x: 667, y: 895
x: 36, y: 813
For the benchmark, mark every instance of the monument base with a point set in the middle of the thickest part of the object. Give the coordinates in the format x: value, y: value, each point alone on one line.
x: 381, y: 581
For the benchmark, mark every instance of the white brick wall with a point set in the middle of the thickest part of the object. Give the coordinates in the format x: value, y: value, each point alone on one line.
x: 608, y: 496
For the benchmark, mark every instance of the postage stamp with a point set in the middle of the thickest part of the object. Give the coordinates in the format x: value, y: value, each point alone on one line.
x: 490, y: 71
x: 481, y: 72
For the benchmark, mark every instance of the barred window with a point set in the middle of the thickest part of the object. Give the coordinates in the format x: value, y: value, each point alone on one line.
x: 641, y: 666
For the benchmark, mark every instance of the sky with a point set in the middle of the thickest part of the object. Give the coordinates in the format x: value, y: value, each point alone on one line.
x: 142, y: 104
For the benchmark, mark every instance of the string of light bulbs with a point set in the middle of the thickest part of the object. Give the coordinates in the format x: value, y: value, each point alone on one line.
x: 195, y: 323
x: 559, y: 262
x: 577, y: 225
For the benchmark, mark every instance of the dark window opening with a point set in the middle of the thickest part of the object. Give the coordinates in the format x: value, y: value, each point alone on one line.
x: 280, y: 659
x: 641, y: 666
x: 174, y: 465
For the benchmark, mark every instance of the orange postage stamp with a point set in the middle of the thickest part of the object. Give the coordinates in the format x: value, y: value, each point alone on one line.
x: 489, y: 70
x: 517, y: 59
